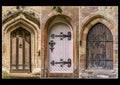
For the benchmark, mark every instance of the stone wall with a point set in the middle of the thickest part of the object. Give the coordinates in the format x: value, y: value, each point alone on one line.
x: 82, y: 18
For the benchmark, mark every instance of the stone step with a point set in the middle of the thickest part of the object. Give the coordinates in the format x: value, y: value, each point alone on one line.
x: 23, y: 76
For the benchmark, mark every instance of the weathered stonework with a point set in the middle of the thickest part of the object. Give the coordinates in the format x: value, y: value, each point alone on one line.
x: 37, y: 21
x: 19, y: 17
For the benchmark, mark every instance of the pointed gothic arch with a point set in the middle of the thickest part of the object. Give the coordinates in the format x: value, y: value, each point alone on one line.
x: 16, y: 21
x: 86, y: 27
x: 99, y: 48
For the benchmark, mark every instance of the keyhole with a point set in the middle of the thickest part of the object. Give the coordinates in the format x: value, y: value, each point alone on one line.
x: 20, y: 46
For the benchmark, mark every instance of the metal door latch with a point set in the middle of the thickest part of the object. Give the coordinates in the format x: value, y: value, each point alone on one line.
x: 20, y: 45
x: 52, y: 43
x: 68, y: 62
x: 62, y: 36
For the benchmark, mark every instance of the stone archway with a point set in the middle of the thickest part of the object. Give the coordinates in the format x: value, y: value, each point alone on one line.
x: 86, y: 27
x: 12, y: 23
x: 53, y: 29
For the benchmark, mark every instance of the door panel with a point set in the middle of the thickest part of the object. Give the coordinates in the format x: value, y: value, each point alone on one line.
x: 20, y: 51
x: 100, y: 48
x: 60, y: 49
x: 27, y: 54
x: 14, y: 53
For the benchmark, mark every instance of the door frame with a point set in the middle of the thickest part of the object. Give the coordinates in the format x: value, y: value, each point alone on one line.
x: 44, y: 39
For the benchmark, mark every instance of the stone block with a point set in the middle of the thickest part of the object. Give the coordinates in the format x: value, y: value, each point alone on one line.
x: 36, y: 71
x: 4, y: 71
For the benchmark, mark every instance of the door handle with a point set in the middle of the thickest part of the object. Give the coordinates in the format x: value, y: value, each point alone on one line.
x: 20, y: 45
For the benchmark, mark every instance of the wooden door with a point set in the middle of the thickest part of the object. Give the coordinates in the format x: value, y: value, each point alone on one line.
x: 99, y: 48
x: 20, y: 50
x: 60, y: 49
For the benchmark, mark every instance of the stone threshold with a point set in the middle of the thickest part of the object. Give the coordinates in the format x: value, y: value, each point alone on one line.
x: 23, y: 76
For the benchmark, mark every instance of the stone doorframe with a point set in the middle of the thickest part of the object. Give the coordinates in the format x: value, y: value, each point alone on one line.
x: 44, y: 58
x: 86, y: 25
x: 14, y: 22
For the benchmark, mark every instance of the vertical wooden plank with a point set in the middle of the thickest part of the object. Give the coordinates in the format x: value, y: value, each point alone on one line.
x: 27, y: 54
x: 17, y: 54
x: 20, y: 59
x: 13, y: 53
x: 23, y: 53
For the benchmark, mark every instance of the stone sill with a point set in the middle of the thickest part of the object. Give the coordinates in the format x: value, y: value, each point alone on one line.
x: 99, y: 73
x: 99, y: 70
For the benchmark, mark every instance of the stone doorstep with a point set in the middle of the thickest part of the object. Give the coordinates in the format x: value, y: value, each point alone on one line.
x: 23, y: 75
x: 98, y: 74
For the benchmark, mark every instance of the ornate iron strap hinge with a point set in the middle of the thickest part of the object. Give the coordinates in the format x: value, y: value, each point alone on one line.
x: 62, y: 36
x: 51, y: 43
x: 68, y: 62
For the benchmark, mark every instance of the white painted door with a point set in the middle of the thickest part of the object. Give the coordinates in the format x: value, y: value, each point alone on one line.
x: 60, y: 49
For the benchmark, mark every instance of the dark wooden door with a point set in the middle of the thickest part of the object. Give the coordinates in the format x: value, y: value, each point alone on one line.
x: 20, y: 50
x: 99, y: 48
